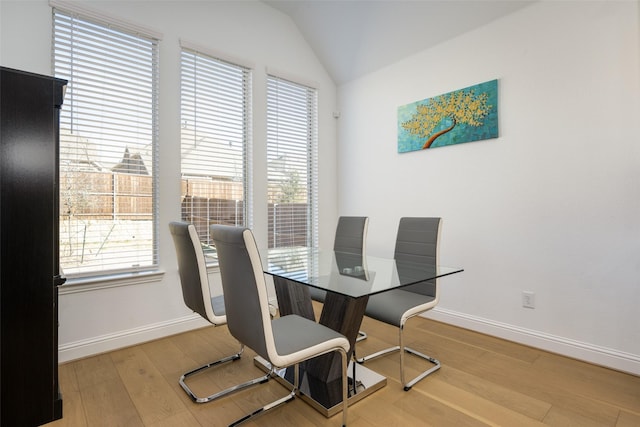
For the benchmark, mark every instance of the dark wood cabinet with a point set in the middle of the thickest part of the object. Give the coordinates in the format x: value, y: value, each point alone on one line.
x: 29, y: 263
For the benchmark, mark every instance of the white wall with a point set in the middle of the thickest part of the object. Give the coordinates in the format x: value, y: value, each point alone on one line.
x: 551, y: 206
x: 98, y: 320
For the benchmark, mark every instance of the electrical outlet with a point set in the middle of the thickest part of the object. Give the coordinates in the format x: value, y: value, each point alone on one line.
x: 528, y: 299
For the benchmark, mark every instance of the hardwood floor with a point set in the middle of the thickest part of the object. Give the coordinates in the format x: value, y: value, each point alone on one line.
x: 484, y: 381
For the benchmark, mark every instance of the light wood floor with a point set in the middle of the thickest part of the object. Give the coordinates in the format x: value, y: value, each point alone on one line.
x: 483, y: 381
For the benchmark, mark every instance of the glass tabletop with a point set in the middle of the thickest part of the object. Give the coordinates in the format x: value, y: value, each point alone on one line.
x: 349, y: 274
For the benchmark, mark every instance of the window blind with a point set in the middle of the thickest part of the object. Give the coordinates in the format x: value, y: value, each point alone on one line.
x: 216, y: 122
x: 291, y: 163
x: 108, y: 142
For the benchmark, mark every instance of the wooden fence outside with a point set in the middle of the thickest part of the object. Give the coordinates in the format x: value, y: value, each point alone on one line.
x: 120, y: 196
x: 287, y: 225
x: 106, y: 196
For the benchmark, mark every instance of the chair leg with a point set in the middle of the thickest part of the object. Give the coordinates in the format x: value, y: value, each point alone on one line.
x: 265, y: 408
x: 435, y: 367
x: 288, y: 398
x: 224, y: 392
x: 362, y: 335
x: 406, y: 385
x: 296, y: 387
x: 377, y: 354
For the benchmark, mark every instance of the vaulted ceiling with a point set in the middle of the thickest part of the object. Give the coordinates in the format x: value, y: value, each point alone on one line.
x: 355, y: 37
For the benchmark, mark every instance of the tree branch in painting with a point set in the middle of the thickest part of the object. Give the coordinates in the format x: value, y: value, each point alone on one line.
x: 459, y: 107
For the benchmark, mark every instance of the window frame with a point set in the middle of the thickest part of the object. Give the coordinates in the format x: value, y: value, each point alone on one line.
x: 220, y: 113
x: 287, y: 114
x: 63, y: 10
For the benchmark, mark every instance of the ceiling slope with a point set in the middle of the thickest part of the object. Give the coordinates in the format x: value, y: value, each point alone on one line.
x: 355, y: 37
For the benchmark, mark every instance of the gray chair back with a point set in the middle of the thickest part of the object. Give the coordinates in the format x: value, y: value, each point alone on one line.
x: 417, y: 242
x: 351, y: 234
x: 246, y: 306
x: 193, y: 272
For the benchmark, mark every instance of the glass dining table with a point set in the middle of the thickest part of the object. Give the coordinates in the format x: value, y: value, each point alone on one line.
x: 348, y: 279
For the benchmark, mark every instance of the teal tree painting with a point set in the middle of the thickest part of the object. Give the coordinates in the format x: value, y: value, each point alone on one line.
x: 464, y: 115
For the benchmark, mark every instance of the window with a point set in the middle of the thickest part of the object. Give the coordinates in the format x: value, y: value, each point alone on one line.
x: 108, y: 142
x: 215, y: 117
x: 291, y: 163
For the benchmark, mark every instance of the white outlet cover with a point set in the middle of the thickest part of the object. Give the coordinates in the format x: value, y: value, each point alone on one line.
x: 528, y: 299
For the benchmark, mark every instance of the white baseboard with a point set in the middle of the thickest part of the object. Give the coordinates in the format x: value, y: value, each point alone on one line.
x: 603, y: 356
x: 109, y: 342
x: 610, y: 358
x: 104, y: 343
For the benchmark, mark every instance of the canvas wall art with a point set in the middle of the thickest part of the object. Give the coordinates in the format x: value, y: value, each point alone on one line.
x: 464, y: 115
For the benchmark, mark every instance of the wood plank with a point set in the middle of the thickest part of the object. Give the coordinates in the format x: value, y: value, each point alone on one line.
x: 94, y: 371
x: 596, y: 382
x: 415, y: 407
x: 476, y: 339
x: 627, y: 419
x: 182, y: 419
x: 564, y: 416
x: 108, y: 404
x: 506, y: 397
x: 67, y: 378
x: 481, y: 382
x: 473, y: 404
x: 170, y: 358
x: 72, y: 410
x: 154, y: 399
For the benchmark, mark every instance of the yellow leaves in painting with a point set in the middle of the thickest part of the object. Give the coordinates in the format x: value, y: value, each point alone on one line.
x: 461, y: 106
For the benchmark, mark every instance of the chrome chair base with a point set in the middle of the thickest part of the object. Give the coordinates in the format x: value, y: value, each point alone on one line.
x: 288, y: 398
x: 361, y: 385
x: 295, y: 390
x: 224, y: 392
x: 407, y: 386
x: 362, y: 335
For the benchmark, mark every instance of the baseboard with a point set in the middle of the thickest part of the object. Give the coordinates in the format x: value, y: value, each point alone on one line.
x: 109, y: 342
x: 104, y: 343
x: 603, y: 356
x: 610, y: 358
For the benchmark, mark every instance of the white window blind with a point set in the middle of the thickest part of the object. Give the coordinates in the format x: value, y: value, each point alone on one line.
x: 108, y: 140
x: 291, y: 163
x: 215, y: 135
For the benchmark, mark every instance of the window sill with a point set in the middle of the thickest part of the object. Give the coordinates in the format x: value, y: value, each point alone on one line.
x: 85, y: 284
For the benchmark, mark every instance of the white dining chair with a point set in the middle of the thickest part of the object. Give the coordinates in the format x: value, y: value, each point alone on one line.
x: 196, y: 294
x: 283, y: 341
x: 416, y: 243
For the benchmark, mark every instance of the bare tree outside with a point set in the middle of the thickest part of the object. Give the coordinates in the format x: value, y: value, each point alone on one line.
x: 289, y: 187
x: 75, y: 191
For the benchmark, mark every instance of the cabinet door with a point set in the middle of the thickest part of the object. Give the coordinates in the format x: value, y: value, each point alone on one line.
x: 28, y: 249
